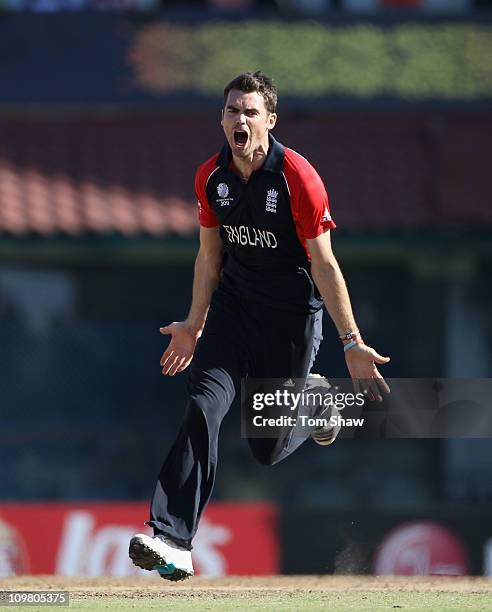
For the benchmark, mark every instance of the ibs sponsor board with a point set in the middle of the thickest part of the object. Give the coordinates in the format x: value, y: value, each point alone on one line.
x: 92, y: 539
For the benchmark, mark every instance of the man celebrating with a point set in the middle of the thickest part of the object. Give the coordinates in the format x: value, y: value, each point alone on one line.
x: 264, y: 268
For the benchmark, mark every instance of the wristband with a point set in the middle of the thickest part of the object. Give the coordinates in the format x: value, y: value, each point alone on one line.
x: 351, y: 344
x: 350, y: 335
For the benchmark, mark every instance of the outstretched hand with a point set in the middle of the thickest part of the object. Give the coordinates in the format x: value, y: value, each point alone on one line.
x: 179, y: 352
x: 361, y: 362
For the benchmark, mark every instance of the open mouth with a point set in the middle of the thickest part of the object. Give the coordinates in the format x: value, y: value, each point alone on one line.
x: 240, y: 138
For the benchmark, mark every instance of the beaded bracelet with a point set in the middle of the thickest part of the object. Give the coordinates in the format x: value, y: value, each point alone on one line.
x: 350, y: 335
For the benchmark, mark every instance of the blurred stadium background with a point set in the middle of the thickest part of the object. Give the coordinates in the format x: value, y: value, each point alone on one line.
x: 106, y: 108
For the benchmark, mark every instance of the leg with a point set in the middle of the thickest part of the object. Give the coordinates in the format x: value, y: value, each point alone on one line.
x: 187, y: 477
x: 289, y: 348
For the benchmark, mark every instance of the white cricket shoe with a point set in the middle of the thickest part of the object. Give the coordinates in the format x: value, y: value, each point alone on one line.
x: 326, y: 434
x: 153, y: 553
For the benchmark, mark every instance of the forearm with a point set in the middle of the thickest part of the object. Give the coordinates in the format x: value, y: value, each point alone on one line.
x: 331, y: 284
x: 361, y: 359
x: 205, y: 281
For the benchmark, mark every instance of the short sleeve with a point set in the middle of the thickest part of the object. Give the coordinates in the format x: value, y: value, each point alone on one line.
x: 314, y: 216
x: 206, y: 216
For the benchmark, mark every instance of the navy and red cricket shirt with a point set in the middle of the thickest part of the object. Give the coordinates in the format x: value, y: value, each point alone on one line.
x: 264, y: 224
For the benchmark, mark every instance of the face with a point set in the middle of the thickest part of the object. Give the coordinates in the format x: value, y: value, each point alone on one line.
x: 246, y: 122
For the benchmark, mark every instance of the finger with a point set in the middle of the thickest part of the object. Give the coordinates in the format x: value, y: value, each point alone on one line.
x: 375, y: 393
x: 383, y: 385
x: 357, y: 387
x: 166, y: 330
x: 379, y: 358
x: 368, y: 391
x: 169, y: 362
x: 372, y: 387
x: 177, y: 364
x: 167, y: 353
x: 184, y: 365
x: 367, y: 388
x: 167, y: 368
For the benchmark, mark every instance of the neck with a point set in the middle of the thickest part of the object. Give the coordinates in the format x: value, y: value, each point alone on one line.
x: 247, y: 165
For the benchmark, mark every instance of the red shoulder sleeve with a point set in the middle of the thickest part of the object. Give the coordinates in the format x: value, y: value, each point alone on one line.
x: 206, y: 216
x: 309, y: 200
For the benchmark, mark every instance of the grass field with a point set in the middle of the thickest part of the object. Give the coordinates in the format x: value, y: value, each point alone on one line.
x: 280, y: 593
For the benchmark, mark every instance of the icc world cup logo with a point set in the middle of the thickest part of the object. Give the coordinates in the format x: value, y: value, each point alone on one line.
x: 222, y: 190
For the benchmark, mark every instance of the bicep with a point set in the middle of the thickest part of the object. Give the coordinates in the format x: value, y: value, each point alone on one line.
x: 211, y: 245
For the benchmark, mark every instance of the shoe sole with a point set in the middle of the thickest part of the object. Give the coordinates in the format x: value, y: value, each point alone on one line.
x: 320, y: 435
x: 144, y: 557
x: 324, y: 439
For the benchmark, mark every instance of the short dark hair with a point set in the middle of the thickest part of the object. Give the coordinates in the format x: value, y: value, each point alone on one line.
x: 255, y: 81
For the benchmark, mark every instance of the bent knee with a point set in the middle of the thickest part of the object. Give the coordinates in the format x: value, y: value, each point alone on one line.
x: 208, y: 406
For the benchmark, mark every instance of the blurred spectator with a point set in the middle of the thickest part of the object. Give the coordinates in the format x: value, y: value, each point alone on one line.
x: 54, y: 6
x: 434, y: 6
x: 296, y: 7
x: 231, y: 5
x: 305, y: 6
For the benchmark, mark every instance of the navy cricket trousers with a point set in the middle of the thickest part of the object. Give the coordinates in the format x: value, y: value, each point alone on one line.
x: 240, y: 338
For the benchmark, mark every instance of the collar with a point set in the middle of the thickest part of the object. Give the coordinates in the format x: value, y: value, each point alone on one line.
x: 274, y: 161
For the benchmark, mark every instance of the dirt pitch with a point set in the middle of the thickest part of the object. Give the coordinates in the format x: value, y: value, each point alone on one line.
x: 294, y: 593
